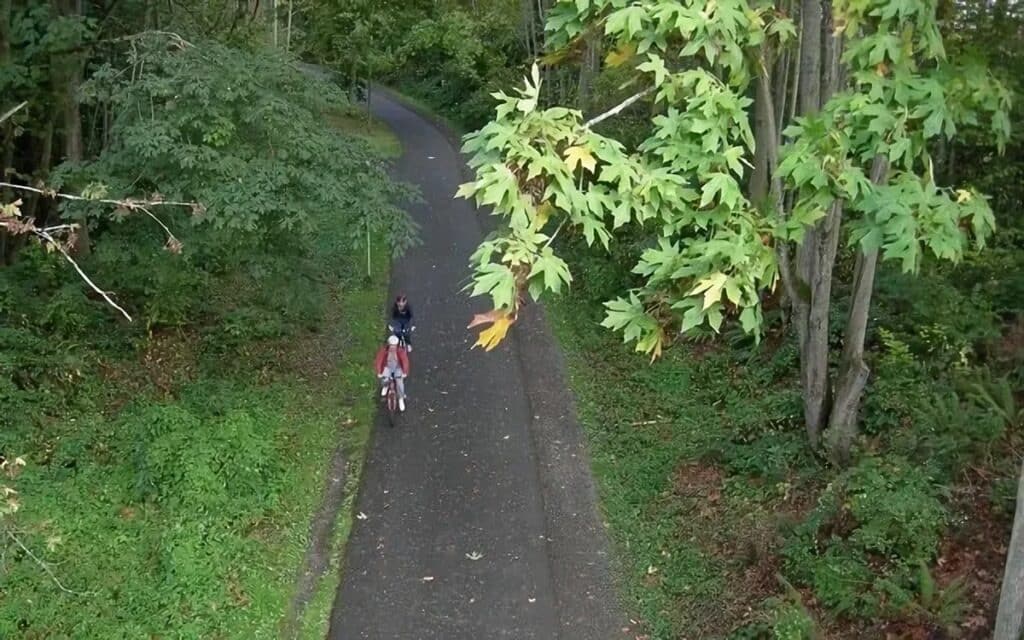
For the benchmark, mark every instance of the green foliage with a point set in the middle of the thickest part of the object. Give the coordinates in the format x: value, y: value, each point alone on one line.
x: 241, y: 133
x: 940, y: 324
x: 792, y: 622
x: 945, y: 606
x: 859, y: 549
x: 456, y: 58
x: 219, y: 469
x: 543, y: 168
x: 202, y: 497
x: 787, y: 621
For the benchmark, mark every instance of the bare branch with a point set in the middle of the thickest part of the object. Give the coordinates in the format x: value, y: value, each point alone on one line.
x: 172, y: 242
x: 13, y: 111
x: 616, y: 110
x: 49, y: 238
x: 45, y: 567
x: 46, y: 233
x: 129, y: 203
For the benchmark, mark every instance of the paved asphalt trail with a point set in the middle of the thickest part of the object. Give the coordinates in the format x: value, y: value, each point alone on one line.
x: 487, y: 462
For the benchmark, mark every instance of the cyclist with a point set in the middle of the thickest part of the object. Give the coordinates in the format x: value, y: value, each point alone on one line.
x: 401, y: 320
x: 392, y: 361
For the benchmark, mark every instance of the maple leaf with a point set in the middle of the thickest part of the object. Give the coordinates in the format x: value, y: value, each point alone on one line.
x: 500, y: 321
x: 621, y: 56
x: 580, y: 155
x: 540, y: 218
x: 711, y: 287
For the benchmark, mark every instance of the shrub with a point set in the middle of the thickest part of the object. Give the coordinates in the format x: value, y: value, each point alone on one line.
x: 786, y: 621
x: 861, y: 546
x: 220, y: 468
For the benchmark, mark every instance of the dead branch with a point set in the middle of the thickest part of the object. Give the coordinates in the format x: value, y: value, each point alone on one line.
x: 618, y: 108
x: 13, y: 111
x: 130, y: 203
x: 16, y: 225
x: 53, y: 241
x: 44, y: 566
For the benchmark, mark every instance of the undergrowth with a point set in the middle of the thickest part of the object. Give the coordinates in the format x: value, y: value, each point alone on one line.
x: 713, y: 496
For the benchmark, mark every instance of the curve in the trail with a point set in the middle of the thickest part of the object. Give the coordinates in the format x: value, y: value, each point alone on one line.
x: 480, y: 516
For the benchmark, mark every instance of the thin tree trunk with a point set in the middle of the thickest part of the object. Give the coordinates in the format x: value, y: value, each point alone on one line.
x: 814, y: 374
x: 764, y: 134
x: 528, y: 34
x: 588, y: 71
x: 832, y: 76
x: 1010, y: 617
x: 43, y: 171
x: 7, y: 241
x: 853, y: 371
x: 542, y: 42
x: 288, y: 33
x: 780, y: 82
x: 68, y: 81
x: 273, y: 16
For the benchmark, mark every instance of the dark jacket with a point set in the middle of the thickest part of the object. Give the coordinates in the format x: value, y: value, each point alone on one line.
x: 404, y: 317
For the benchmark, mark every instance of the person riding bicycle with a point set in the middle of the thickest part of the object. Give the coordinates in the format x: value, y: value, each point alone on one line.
x: 401, y: 320
x: 392, y: 362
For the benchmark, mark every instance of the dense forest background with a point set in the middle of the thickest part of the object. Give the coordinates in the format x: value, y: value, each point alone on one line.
x: 170, y: 163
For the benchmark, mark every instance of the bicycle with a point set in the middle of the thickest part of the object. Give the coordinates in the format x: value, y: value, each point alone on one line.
x: 391, y: 400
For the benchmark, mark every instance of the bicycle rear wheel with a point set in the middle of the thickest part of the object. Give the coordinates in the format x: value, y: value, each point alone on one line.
x: 392, y: 402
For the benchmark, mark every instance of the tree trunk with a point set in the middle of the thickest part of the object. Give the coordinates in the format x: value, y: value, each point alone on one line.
x: 853, y: 372
x: 528, y: 33
x: 764, y: 134
x: 35, y: 200
x: 811, y: 333
x: 7, y: 153
x: 589, y: 67
x: 288, y: 33
x: 67, y: 82
x: 1010, y: 617
x: 273, y: 16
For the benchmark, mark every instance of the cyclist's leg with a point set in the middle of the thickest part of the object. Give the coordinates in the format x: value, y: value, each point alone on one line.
x: 400, y: 383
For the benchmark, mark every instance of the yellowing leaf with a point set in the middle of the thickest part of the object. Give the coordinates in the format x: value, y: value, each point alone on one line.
x: 492, y: 336
x: 711, y: 286
x: 580, y: 156
x: 540, y: 218
x: 621, y: 56
x: 962, y: 196
x: 553, y: 58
